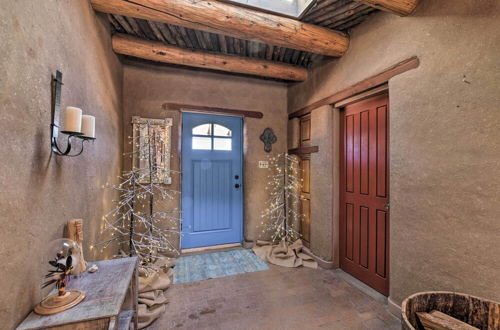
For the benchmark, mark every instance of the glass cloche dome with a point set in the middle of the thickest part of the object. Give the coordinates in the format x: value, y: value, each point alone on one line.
x: 62, y: 280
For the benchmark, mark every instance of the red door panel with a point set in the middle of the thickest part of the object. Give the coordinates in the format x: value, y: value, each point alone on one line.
x: 364, y: 187
x: 349, y: 231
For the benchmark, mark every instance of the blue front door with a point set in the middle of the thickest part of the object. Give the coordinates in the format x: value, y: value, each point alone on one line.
x: 212, y: 192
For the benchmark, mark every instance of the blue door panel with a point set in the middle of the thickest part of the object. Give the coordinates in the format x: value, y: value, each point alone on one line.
x: 212, y: 198
x: 212, y: 204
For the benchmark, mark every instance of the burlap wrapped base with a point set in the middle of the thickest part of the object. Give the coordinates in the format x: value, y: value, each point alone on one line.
x: 152, y: 285
x: 284, y: 254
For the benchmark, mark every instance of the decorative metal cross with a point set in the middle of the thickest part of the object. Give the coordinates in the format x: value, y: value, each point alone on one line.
x: 268, y: 138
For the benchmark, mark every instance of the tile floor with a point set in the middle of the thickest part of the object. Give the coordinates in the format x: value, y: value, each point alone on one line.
x: 279, y: 298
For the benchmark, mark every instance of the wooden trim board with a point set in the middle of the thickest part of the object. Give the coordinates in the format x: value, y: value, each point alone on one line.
x: 204, y: 109
x: 210, y: 248
x: 373, y: 81
x: 361, y: 96
x: 303, y: 150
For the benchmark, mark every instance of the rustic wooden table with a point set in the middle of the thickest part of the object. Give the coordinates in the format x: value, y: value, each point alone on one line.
x: 110, y: 300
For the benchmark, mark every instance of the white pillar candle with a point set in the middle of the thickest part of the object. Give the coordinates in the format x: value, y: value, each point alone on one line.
x: 88, y: 126
x: 72, y: 120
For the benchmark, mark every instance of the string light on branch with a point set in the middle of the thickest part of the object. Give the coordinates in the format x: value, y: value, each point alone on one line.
x: 281, y: 218
x: 143, y: 223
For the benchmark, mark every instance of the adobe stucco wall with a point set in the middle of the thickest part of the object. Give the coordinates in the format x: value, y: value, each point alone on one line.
x: 40, y: 191
x: 322, y: 173
x: 147, y: 87
x: 445, y: 141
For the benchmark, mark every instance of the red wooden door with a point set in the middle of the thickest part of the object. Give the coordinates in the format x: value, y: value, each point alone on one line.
x: 364, y: 187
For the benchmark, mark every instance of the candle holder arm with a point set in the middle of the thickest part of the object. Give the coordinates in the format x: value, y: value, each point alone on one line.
x: 54, y: 127
x: 69, y: 146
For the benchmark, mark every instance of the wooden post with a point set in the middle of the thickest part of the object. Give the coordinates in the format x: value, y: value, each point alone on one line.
x: 235, y: 21
x: 285, y: 193
x: 151, y: 156
x: 75, y: 233
x: 131, y: 246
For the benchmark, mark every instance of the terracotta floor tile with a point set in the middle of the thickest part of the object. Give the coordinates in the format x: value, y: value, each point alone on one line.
x: 279, y: 298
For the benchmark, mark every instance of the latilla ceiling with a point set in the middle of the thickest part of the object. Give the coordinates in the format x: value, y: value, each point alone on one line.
x: 340, y: 15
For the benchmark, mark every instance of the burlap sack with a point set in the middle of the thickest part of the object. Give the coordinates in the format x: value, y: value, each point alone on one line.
x: 151, y: 297
x: 159, y: 280
x: 148, y: 315
x: 284, y: 254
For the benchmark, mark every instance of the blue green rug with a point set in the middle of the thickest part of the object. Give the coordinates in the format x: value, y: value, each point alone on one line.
x: 215, y: 265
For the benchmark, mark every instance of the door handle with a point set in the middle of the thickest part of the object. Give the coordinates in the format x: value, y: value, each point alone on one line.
x: 387, y: 206
x: 237, y: 185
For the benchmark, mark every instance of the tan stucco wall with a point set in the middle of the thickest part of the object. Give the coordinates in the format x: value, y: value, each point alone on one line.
x: 321, y: 194
x: 147, y: 87
x: 40, y: 191
x: 445, y: 140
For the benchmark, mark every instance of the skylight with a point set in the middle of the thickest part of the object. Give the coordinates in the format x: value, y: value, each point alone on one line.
x: 293, y: 8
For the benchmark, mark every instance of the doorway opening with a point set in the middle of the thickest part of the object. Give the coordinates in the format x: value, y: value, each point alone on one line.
x: 212, y: 180
x: 364, y: 191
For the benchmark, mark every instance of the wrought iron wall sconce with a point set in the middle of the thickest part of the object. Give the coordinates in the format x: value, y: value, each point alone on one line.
x: 75, y: 125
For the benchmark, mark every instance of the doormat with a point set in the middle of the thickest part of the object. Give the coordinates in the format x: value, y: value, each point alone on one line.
x: 216, y: 264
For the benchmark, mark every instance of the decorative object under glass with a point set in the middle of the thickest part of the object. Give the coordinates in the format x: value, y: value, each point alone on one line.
x: 63, y: 256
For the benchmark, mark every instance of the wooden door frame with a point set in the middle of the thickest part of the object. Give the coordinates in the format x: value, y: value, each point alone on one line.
x: 332, y: 100
x: 337, y: 152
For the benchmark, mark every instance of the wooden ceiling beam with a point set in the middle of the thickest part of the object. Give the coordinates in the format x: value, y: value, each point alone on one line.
x: 398, y: 7
x: 222, y: 18
x: 160, y: 52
